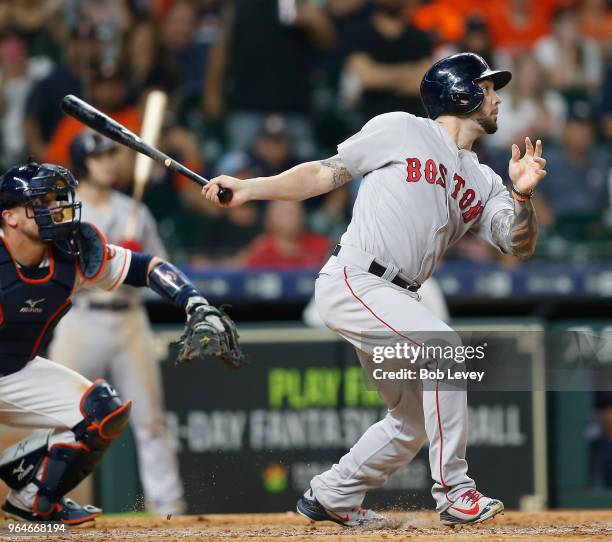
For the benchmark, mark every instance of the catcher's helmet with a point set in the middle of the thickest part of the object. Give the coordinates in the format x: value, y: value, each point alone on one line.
x: 87, y: 143
x: 29, y: 185
x: 451, y: 85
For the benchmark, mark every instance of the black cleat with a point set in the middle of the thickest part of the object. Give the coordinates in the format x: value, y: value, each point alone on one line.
x: 67, y: 511
x: 310, y: 508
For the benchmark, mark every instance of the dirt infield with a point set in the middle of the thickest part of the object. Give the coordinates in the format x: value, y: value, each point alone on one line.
x: 289, y: 527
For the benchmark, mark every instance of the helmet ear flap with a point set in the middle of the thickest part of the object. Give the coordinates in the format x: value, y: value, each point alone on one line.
x: 464, y: 103
x: 461, y: 98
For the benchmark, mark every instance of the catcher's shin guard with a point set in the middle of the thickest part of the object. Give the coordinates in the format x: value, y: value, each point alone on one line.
x: 19, y: 463
x: 105, y: 418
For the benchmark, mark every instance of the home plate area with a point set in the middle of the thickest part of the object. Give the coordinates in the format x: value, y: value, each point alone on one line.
x: 564, y: 525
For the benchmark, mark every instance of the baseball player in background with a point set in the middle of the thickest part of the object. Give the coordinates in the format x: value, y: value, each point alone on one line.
x: 47, y: 255
x: 422, y: 189
x: 108, y: 333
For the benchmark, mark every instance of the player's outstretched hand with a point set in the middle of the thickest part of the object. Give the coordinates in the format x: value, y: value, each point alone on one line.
x: 528, y: 171
x: 240, y: 189
x: 210, y: 332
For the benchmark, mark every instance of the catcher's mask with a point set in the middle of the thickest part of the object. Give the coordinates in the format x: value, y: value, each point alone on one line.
x: 47, y: 191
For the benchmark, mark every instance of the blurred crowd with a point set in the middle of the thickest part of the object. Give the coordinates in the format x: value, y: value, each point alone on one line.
x: 256, y: 86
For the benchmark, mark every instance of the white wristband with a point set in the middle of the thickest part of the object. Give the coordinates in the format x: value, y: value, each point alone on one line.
x: 195, y: 300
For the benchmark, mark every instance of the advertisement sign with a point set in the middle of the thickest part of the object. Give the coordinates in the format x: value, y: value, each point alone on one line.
x: 251, y: 440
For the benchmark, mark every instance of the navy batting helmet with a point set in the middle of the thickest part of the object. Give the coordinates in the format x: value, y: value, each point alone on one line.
x: 31, y: 185
x: 451, y: 87
x: 87, y: 143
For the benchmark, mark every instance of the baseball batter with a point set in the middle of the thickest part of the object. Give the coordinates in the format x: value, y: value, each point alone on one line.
x: 108, y: 333
x: 423, y: 188
x: 47, y: 256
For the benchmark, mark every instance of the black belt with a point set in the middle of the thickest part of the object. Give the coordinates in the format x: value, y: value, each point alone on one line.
x: 113, y: 306
x: 379, y: 270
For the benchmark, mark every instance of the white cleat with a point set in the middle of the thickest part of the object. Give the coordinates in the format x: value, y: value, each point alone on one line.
x: 471, y: 507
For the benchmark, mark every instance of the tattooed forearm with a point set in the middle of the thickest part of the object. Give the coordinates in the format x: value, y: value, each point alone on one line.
x: 339, y: 174
x: 516, y: 232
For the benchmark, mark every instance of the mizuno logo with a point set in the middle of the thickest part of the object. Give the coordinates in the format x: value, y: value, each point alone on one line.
x: 21, y: 472
x: 30, y: 306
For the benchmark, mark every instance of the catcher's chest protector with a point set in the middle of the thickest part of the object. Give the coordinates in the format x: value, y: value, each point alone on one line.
x: 30, y: 308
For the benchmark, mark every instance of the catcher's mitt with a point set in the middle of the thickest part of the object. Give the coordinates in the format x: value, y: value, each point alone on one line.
x: 210, y: 332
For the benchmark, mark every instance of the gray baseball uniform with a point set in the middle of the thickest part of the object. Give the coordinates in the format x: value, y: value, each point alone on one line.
x: 108, y: 332
x: 418, y: 196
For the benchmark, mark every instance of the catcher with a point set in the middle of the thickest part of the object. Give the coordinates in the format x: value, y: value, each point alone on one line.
x: 47, y: 255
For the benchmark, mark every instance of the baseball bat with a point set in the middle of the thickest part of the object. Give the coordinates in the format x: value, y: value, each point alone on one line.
x: 152, y: 119
x: 90, y: 116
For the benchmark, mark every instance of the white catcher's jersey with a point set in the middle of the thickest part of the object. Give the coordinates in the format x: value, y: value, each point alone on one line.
x: 112, y: 276
x: 419, y: 193
x: 112, y: 223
